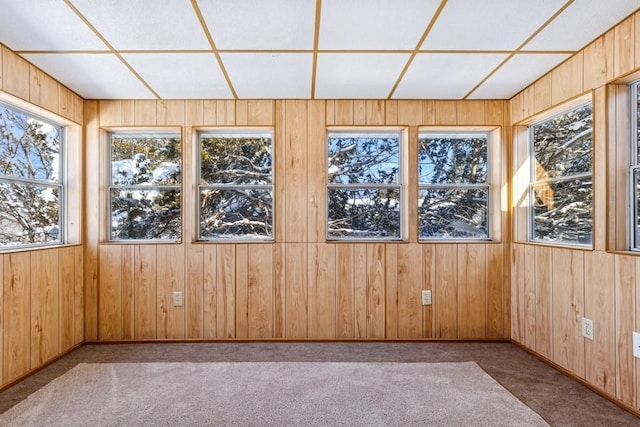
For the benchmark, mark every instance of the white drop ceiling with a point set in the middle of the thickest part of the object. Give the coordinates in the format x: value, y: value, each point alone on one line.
x: 308, y: 49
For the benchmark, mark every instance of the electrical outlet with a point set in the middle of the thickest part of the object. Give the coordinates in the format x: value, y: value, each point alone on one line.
x: 426, y: 297
x: 636, y: 344
x: 587, y: 328
x: 177, y: 299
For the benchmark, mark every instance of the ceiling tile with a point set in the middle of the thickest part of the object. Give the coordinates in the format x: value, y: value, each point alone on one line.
x: 364, y: 75
x: 146, y: 24
x: 488, y: 25
x: 92, y: 76
x: 374, y: 24
x: 520, y: 71
x: 21, y: 27
x: 445, y: 75
x: 258, y: 24
x: 270, y: 75
x: 181, y: 75
x: 582, y: 22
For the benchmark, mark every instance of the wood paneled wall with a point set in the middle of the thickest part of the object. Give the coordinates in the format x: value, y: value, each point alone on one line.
x: 552, y: 288
x: 41, y: 291
x: 300, y: 286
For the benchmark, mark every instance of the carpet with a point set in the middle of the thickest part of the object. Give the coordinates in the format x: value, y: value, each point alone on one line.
x: 273, y: 394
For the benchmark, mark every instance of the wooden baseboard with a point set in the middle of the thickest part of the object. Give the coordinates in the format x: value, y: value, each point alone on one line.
x: 587, y: 384
x: 41, y: 367
x: 299, y: 340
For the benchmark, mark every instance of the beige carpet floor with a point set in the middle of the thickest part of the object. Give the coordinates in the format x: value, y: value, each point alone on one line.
x: 273, y: 394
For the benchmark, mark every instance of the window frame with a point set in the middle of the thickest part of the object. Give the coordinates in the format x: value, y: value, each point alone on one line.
x: 372, y: 132
x: 491, y: 179
x: 62, y: 184
x: 147, y: 133
x: 234, y: 132
x: 634, y: 167
x: 532, y: 182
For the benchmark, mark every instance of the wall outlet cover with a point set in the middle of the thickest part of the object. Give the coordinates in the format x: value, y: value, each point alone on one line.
x: 587, y: 328
x: 426, y: 297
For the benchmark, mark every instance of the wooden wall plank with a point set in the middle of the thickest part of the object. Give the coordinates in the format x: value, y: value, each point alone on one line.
x: 145, y: 292
x: 170, y: 112
x: 17, y: 315
x: 242, y: 291
x: 359, y: 112
x: 78, y: 296
x: 598, y: 61
x: 544, y: 291
x: 43, y: 90
x: 128, y: 286
x: 2, y: 312
x: 391, y: 289
x: 599, y: 170
x: 542, y: 92
x: 194, y: 112
x: 317, y: 173
x: 567, y: 79
x: 625, y: 286
x: 375, y: 112
x: 110, y: 113
x: 345, y: 291
x: 226, y: 292
x: 279, y: 289
x: 170, y: 271
x: 568, y: 309
x: 472, y: 292
x: 517, y: 293
x: 530, y: 299
x: 344, y: 112
x: 322, y: 290
x: 495, y: 291
x: 65, y: 102
x: 210, y: 290
x: 128, y: 112
x: 15, y: 74
x: 1, y: 67
x: 599, y: 306
x: 225, y: 112
x: 446, y: 112
x: 428, y: 112
x: 296, y: 292
x: 470, y: 112
x: 91, y: 220
x: 410, y: 322
x: 66, y: 280
x: 295, y: 159
x: 78, y: 109
x: 493, y: 113
x: 360, y: 290
x: 391, y: 112
x: 241, y: 112
x: 446, y: 295
x: 110, y: 293
x: 45, y: 306
x: 194, y: 297
x: 410, y: 112
x: 376, y: 300
x: 146, y: 112
x: 260, y: 112
x: 260, y: 291
x: 624, y: 47
x: 428, y: 283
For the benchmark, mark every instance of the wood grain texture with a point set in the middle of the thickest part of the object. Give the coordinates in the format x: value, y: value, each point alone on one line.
x: 242, y: 290
x: 598, y: 61
x: 296, y: 292
x: 446, y: 292
x: 145, y: 291
x: 170, y: 272
x: 410, y: 322
x: 544, y: 292
x: 360, y: 290
x: 110, y: 293
x: 472, y: 294
x: 17, y: 315
x: 66, y: 283
x: 45, y: 306
x: 226, y: 291
x: 43, y: 89
x: 566, y: 80
x: 345, y: 291
x: 626, y: 283
x: 194, y: 297
x: 624, y: 47
x: 260, y: 291
x: 495, y: 300
x: 15, y: 74
x: 295, y: 160
x: 128, y: 295
x: 322, y: 290
x: 530, y: 292
x: 376, y: 299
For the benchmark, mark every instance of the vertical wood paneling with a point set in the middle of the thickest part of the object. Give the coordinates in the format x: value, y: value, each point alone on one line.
x: 568, y: 309
x: 43, y: 90
x: 391, y: 112
x: 279, y: 288
x: 567, y: 79
x: 599, y: 306
x: 45, y: 306
x: 598, y: 61
x: 517, y: 293
x: 170, y: 271
x: 146, y: 113
x: 624, y: 47
x: 194, y: 112
x: 295, y: 160
x: 2, y: 309
x: 470, y: 112
x: 446, y: 294
x: 344, y: 112
x: 260, y: 112
x: 375, y: 290
x: 472, y: 293
x: 226, y: 292
x: 242, y: 291
x: 494, y: 271
x: 17, y: 315
x: 375, y: 112
x: 145, y: 292
x: 391, y: 289
x: 428, y: 112
x: 194, y: 297
x: 78, y: 298
x: 260, y: 291
x: 359, y: 112
x: 241, y: 113
x: 530, y: 292
x: 625, y: 282
x: 66, y: 282
x: 599, y: 170
x: 15, y: 74
x: 110, y: 293
x: 91, y: 220
x: 225, y: 112
x: 322, y: 290
x: 317, y: 173
x: 542, y: 93
x: 359, y: 290
x: 128, y: 307
x: 345, y: 291
x: 110, y: 114
x: 409, y: 291
x: 544, y: 319
x: 170, y: 112
x: 410, y: 113
x: 446, y: 112
x: 428, y: 283
x: 210, y: 289
x: 296, y: 293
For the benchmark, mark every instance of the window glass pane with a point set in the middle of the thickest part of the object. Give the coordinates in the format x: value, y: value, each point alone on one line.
x: 141, y: 159
x: 562, y: 211
x: 453, y: 213
x: 636, y: 95
x: 562, y: 145
x: 145, y: 214
x: 364, y: 213
x: 29, y: 148
x: 363, y: 159
x: 236, y: 213
x: 240, y: 160
x: 29, y: 214
x: 444, y: 159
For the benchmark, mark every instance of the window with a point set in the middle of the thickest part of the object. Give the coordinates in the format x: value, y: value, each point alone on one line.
x: 364, y: 185
x: 32, y: 193
x: 560, y: 190
x: 144, y: 192
x: 454, y: 191
x: 635, y: 165
x: 236, y: 186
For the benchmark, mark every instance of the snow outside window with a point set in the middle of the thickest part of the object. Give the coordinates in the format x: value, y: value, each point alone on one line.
x: 236, y: 186
x: 364, y: 186
x: 31, y: 181
x: 144, y: 190
x: 561, y: 190
x: 454, y: 191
